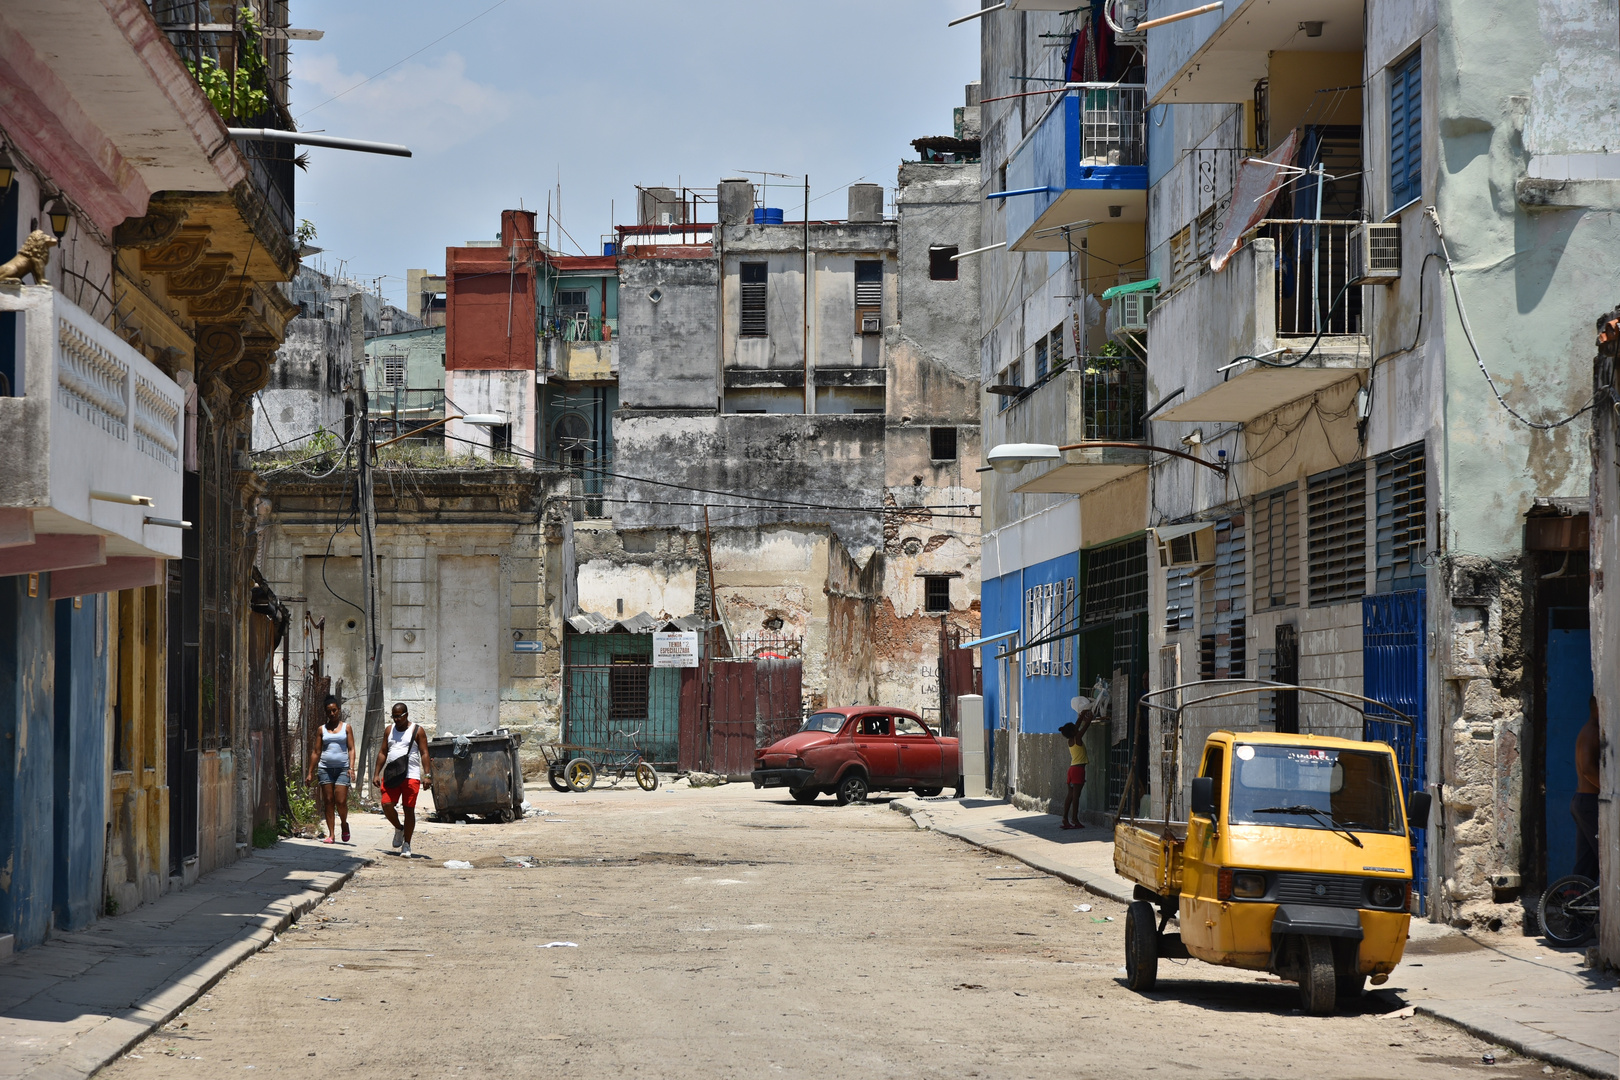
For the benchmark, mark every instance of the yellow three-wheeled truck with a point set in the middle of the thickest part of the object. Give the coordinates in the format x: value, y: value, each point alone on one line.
x: 1296, y: 859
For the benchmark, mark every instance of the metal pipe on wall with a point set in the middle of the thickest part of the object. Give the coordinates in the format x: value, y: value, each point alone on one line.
x: 809, y: 387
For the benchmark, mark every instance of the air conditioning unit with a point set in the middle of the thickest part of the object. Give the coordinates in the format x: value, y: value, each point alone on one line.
x: 1128, y: 312
x: 1187, y: 545
x: 871, y: 324
x: 1375, y: 253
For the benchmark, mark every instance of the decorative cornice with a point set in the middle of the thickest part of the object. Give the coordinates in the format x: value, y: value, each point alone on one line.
x: 186, y: 246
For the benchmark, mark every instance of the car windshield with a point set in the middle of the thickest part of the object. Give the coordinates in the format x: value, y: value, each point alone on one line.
x: 1309, y: 787
x: 824, y: 721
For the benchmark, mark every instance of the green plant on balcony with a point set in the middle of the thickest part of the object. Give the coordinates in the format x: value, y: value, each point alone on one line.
x: 242, y: 92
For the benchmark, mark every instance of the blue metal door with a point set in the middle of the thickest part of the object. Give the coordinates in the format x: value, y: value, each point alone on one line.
x: 1569, y: 686
x: 1393, y: 673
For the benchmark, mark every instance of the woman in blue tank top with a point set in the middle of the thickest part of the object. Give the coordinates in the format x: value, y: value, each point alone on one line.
x: 332, y: 758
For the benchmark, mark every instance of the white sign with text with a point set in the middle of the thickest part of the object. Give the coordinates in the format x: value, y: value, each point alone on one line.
x: 676, y: 649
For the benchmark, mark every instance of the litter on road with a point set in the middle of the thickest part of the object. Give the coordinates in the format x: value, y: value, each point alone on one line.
x: 558, y: 945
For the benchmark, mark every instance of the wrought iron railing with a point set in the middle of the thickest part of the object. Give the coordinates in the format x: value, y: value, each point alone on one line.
x: 1113, y: 395
x: 577, y: 327
x: 1313, y: 271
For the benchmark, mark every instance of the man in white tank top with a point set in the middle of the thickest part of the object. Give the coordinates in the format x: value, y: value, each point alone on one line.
x: 403, y: 740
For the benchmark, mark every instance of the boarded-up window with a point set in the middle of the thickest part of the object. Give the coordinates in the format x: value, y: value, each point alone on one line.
x: 1276, y: 549
x: 942, y: 264
x: 1338, y: 534
x: 1223, y: 650
x: 1402, y: 513
x: 753, y: 322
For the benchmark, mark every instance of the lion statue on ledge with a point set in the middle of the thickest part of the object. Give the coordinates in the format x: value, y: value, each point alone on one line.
x: 34, y: 257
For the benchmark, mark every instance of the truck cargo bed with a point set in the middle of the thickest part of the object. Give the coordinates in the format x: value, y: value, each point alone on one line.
x: 1149, y: 853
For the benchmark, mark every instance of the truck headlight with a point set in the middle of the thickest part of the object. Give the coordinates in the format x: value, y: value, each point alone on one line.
x: 1248, y: 885
x: 1387, y: 894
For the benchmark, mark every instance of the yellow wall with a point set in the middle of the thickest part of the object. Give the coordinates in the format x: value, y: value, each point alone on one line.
x: 1292, y: 99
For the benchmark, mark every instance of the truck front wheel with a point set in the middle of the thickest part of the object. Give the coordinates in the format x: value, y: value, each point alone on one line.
x: 1318, y: 984
x: 1142, y: 947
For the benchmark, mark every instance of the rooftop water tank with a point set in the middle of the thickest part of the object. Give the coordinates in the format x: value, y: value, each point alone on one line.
x: 609, y: 247
x: 768, y: 215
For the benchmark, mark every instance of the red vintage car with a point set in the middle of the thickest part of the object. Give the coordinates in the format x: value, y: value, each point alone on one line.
x: 851, y: 751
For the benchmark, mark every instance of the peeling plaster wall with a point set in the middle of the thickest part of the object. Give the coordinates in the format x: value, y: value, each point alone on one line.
x: 668, y: 348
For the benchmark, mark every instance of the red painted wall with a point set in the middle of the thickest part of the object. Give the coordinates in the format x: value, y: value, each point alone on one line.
x: 489, y: 301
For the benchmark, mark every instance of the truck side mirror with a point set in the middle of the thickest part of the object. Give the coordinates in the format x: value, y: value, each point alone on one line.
x: 1203, y: 796
x: 1418, y: 804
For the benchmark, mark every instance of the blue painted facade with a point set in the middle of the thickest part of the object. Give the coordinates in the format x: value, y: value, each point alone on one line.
x: 1048, y: 689
x: 1050, y: 159
x: 53, y: 760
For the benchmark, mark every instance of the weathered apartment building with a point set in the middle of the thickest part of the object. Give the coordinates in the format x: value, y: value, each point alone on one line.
x: 136, y: 748
x: 1371, y: 270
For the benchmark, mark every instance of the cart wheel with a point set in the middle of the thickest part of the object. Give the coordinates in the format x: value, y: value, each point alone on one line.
x: 554, y: 774
x: 646, y: 776
x: 1318, y: 987
x: 1141, y: 947
x: 579, y: 775
x: 506, y: 817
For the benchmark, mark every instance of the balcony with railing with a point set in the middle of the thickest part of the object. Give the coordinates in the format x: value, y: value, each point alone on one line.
x: 1098, y: 399
x: 1280, y: 322
x: 91, y: 482
x: 1084, y: 161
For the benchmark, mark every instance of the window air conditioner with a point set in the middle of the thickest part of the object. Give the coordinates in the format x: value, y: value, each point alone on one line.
x: 1375, y: 253
x: 871, y: 324
x: 1191, y: 544
x: 1128, y: 312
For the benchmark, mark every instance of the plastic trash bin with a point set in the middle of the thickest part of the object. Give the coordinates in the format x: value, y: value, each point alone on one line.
x: 477, y: 774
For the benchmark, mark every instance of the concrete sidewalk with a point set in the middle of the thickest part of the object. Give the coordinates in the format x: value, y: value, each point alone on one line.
x: 1514, y: 991
x: 72, y: 1005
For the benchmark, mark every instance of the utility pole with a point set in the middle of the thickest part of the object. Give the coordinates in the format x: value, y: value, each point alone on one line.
x: 371, y: 730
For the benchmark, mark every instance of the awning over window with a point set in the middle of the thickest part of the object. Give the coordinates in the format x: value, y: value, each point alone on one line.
x: 1135, y: 286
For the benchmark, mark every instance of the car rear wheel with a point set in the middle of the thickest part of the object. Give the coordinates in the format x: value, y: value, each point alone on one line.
x: 805, y: 794
x: 852, y: 788
x: 1141, y: 947
x: 1318, y: 985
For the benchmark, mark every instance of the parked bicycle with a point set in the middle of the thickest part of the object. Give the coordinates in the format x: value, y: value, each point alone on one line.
x: 1569, y: 910
x: 575, y: 768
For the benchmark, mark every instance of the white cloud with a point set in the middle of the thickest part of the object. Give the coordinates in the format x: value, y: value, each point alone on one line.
x: 433, y: 106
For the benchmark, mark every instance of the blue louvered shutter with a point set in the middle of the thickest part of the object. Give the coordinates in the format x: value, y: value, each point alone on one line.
x: 1406, y: 131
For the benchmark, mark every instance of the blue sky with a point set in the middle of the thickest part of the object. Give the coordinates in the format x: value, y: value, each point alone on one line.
x: 611, y: 94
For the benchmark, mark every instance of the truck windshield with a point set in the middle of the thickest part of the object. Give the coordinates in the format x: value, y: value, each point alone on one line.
x: 824, y: 721
x: 1348, y: 789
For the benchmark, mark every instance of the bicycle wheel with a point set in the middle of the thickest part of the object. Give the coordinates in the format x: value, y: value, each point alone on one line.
x: 1568, y: 914
x: 646, y: 776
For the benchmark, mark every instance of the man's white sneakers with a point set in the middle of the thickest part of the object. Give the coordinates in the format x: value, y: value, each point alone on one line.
x: 405, y: 851
x: 399, y: 837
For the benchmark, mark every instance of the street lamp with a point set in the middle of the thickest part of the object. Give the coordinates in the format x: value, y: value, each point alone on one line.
x: 1010, y: 457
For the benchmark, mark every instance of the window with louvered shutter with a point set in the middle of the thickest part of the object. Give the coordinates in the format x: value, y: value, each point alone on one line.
x: 868, y: 283
x: 393, y: 370
x: 1276, y: 550
x: 753, y: 322
x: 1406, y: 130
x: 1222, y: 619
x: 1179, y: 610
x: 1402, y: 508
x: 1338, y: 534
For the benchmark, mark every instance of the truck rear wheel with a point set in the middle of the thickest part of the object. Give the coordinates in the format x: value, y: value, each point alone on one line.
x: 1318, y: 984
x: 1142, y: 947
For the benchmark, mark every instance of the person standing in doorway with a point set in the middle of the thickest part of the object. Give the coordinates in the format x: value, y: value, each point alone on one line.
x: 332, y: 760
x: 402, y: 760
x: 1075, y: 732
x: 1584, y: 806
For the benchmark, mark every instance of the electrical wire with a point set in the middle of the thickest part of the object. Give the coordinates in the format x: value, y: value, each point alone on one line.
x: 1468, y: 333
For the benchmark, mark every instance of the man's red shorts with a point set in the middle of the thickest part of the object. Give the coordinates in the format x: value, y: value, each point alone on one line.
x: 1077, y: 775
x: 405, y: 794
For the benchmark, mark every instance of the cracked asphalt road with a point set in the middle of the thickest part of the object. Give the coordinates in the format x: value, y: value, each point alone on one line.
x: 734, y: 933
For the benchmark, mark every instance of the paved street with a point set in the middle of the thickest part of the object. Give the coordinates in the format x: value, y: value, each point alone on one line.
x: 730, y: 933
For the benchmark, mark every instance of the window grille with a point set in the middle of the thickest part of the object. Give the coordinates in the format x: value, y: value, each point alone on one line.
x: 752, y: 320
x: 1402, y: 519
x: 1068, y: 621
x: 1049, y: 610
x: 1054, y: 347
x: 942, y: 443
x: 1338, y: 534
x: 1179, y: 612
x: 1116, y: 580
x: 942, y: 264
x: 868, y: 283
x: 572, y: 301
x: 1040, y: 358
x: 1222, y: 618
x: 1276, y: 550
x: 936, y: 594
x: 393, y: 370
x: 1406, y: 130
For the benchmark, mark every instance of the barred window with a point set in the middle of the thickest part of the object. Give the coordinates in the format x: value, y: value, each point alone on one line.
x: 1276, y: 549
x: 1054, y: 346
x: 393, y: 371
x: 1040, y: 358
x: 1179, y: 610
x: 752, y: 313
x: 1338, y: 534
x: 1049, y: 610
x: 1402, y: 514
x: 1116, y: 580
x: 1223, y: 650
